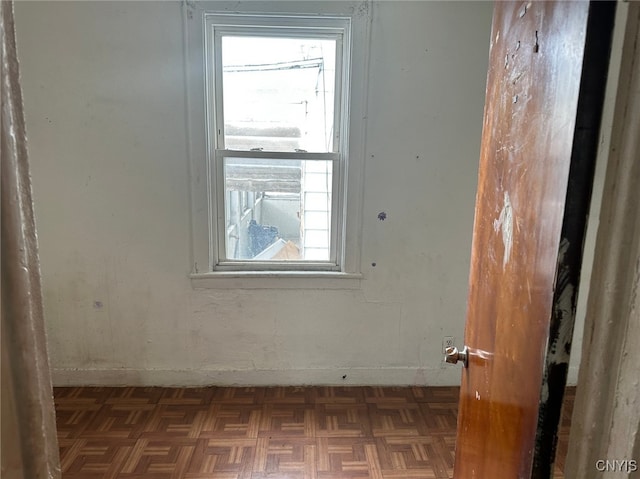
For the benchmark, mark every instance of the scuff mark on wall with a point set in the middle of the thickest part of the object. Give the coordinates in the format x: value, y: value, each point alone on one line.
x: 190, y: 7
x: 362, y: 10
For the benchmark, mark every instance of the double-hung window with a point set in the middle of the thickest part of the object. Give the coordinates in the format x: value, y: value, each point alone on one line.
x: 277, y: 109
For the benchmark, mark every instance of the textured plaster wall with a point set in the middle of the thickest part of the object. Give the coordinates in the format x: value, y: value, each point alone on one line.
x: 105, y: 106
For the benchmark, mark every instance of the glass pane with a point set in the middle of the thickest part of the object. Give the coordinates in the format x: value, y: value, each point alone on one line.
x: 277, y: 210
x: 278, y: 93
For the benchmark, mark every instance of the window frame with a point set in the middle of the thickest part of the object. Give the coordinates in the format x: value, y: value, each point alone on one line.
x: 205, y: 215
x: 219, y: 25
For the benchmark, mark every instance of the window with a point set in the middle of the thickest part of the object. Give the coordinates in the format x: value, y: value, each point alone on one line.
x: 279, y: 154
x: 276, y: 129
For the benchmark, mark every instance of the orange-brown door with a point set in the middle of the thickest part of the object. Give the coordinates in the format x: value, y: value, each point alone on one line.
x: 545, y: 87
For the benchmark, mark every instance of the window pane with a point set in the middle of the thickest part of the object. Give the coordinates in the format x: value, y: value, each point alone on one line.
x: 278, y: 93
x: 287, y: 211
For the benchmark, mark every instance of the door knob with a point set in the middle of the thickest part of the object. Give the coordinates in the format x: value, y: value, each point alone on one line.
x: 452, y: 355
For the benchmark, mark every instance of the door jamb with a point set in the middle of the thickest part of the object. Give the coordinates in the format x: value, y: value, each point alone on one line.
x: 606, y: 418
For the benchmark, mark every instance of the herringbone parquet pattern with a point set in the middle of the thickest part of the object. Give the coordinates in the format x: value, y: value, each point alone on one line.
x: 260, y: 433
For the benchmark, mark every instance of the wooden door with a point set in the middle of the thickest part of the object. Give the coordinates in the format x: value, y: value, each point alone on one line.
x: 545, y: 86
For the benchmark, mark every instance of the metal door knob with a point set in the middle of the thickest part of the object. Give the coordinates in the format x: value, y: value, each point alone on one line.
x: 452, y: 355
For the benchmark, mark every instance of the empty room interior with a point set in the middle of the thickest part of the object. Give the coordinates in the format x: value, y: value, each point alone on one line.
x: 255, y: 226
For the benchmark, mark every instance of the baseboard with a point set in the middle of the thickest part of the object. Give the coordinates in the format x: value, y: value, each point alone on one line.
x: 572, y: 376
x: 446, y: 376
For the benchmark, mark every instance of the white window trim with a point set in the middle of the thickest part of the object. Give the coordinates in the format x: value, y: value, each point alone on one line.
x: 202, y: 211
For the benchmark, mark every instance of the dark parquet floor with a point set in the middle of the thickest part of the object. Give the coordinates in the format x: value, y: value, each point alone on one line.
x: 260, y: 433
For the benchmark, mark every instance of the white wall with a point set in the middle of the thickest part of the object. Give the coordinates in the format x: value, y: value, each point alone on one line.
x: 105, y: 104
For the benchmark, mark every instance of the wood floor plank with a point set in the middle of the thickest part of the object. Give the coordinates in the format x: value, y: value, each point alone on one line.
x: 260, y: 433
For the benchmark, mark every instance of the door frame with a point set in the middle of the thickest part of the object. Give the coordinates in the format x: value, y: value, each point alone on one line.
x: 603, y: 425
x: 589, y: 126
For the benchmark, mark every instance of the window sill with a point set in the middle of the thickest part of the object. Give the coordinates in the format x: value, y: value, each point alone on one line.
x: 275, y: 280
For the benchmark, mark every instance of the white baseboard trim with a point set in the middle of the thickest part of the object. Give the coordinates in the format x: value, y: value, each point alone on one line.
x: 446, y: 376
x: 572, y: 376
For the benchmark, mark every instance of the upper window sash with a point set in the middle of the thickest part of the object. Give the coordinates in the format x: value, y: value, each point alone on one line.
x: 277, y: 26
